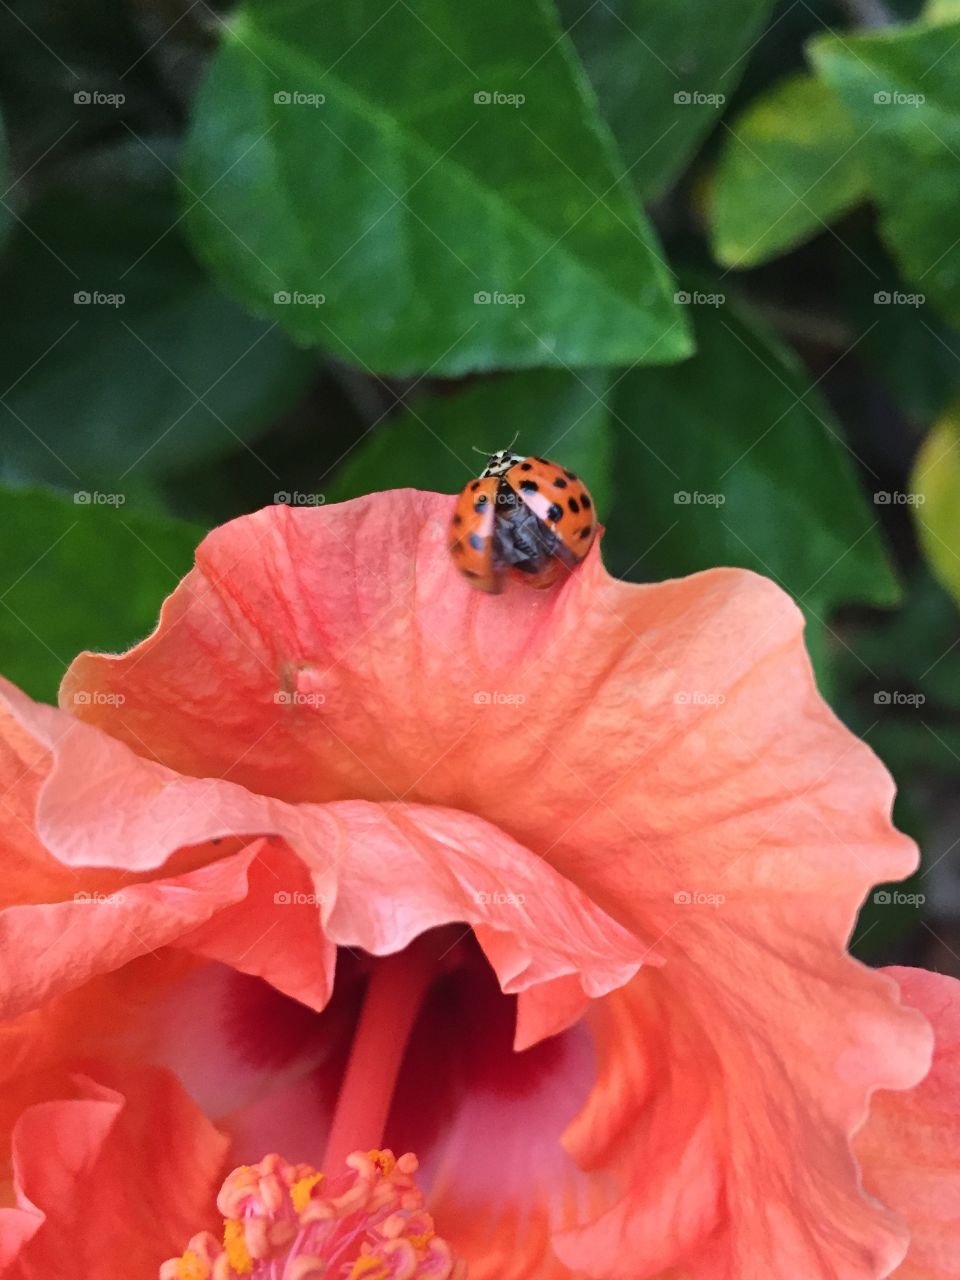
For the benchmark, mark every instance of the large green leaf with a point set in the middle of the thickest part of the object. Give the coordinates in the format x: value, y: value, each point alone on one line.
x: 663, y: 70
x: 736, y: 459
x: 902, y: 89
x: 355, y: 178
x: 434, y: 445
x: 790, y: 165
x: 77, y: 576
x: 104, y: 393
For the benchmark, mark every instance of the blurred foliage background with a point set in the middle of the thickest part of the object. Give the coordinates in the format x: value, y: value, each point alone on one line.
x: 705, y: 251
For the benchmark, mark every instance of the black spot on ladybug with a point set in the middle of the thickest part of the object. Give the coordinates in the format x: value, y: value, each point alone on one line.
x: 529, y: 486
x: 457, y: 547
x: 555, y: 512
x: 476, y: 541
x: 571, y: 475
x: 526, y: 466
x: 475, y: 486
x: 574, y: 505
x: 470, y: 573
x: 559, y: 483
x: 458, y: 518
x: 217, y: 840
x: 585, y: 533
x: 585, y: 501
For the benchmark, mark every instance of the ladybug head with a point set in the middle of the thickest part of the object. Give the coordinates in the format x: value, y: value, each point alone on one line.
x: 499, y: 463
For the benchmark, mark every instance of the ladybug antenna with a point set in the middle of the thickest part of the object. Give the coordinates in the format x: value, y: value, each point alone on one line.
x: 487, y: 453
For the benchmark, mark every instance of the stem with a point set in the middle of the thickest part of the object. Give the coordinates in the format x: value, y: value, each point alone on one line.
x: 393, y: 999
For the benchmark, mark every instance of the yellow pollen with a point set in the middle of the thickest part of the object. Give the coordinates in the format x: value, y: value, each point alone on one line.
x: 422, y: 1240
x: 192, y: 1267
x: 236, y: 1246
x: 300, y: 1191
x: 369, y: 1267
x: 384, y: 1161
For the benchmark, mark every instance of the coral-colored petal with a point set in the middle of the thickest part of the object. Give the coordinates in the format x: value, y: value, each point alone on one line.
x: 381, y: 873
x: 909, y: 1148
x: 60, y: 926
x: 115, y: 1169
x: 52, y: 947
x: 655, y: 743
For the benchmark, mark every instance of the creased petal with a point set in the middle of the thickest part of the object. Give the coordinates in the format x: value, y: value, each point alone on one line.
x: 381, y: 873
x: 114, y: 1168
x: 909, y: 1148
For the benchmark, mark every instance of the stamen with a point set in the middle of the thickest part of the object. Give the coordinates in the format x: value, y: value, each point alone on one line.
x: 287, y: 1221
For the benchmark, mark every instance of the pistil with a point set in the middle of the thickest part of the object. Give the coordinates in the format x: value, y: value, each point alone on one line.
x: 395, y: 993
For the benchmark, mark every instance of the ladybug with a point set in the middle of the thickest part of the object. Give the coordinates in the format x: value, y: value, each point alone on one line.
x: 525, y: 518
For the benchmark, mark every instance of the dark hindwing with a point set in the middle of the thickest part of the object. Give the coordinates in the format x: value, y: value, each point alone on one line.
x: 521, y: 540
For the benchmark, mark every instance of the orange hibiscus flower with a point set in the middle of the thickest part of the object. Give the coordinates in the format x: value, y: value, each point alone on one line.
x: 552, y: 889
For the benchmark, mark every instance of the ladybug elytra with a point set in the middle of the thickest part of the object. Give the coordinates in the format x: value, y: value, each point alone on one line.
x: 526, y: 518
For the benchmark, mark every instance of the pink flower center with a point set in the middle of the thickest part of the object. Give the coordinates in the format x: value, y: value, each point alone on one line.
x: 284, y: 1221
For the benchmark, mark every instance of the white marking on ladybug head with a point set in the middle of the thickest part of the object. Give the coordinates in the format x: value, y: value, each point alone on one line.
x: 499, y: 463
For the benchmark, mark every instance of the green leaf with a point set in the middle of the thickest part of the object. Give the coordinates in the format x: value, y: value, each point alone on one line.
x: 736, y: 459
x: 935, y: 489
x: 663, y: 70
x: 80, y: 576
x: 909, y: 349
x: 790, y: 165
x: 432, y: 446
x: 941, y: 10
x: 123, y: 360
x: 902, y: 89
x: 366, y: 200
x: 915, y: 650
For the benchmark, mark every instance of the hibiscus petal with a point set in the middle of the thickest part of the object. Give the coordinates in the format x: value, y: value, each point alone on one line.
x: 61, y: 926
x: 114, y: 1169
x: 381, y: 873
x: 663, y: 746
x: 909, y: 1148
